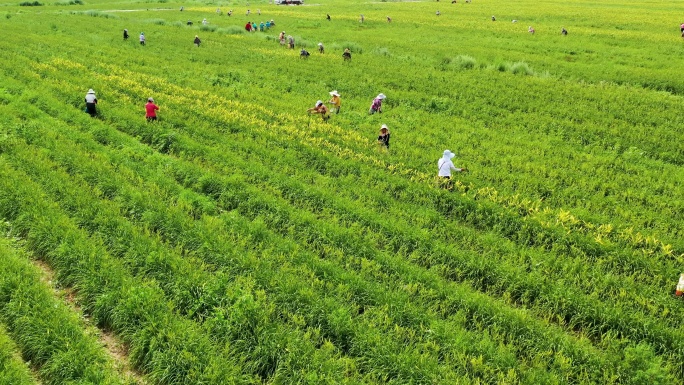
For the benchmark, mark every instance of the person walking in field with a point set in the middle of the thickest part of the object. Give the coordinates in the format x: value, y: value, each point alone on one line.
x: 197, y: 41
x: 91, y: 103
x: 445, y: 165
x: 151, y: 110
x: 384, y: 137
x: 125, y: 34
x: 335, y: 101
x: 142, y: 38
x: 320, y: 108
x: 376, y: 105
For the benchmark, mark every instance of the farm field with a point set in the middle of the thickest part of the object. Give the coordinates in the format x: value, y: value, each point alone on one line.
x: 239, y: 240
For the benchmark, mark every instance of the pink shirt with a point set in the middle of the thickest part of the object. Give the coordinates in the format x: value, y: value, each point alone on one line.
x: 150, y: 109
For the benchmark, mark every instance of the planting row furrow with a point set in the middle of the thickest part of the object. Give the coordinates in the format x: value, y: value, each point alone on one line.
x: 168, y: 350
x: 48, y: 333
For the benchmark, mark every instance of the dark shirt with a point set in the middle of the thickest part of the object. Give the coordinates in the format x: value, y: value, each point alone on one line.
x: 385, y: 139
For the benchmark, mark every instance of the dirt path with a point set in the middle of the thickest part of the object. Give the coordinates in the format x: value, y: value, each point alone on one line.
x: 112, y: 346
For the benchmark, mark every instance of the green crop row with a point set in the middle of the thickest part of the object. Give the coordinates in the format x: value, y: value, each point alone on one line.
x: 169, y: 350
x: 48, y: 333
x: 13, y: 370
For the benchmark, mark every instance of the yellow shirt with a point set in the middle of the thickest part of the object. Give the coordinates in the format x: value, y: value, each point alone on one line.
x: 336, y: 101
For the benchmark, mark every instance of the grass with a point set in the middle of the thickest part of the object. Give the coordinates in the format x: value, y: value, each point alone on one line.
x: 239, y: 240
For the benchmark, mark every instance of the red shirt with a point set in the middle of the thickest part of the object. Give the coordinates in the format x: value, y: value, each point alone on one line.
x: 150, y: 109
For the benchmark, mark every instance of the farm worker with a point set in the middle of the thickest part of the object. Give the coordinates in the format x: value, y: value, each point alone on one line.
x: 91, y: 101
x: 438, y: 13
x: 261, y: 26
x: 564, y: 31
x: 254, y: 27
x: 204, y: 21
x: 320, y: 108
x: 389, y: 19
x: 493, y: 18
x: 304, y: 54
x: 272, y: 23
x: 189, y: 22
x: 320, y: 48
x: 327, y: 16
x: 259, y: 12
x: 218, y: 10
x: 681, y: 28
x: 530, y: 30
x: 281, y: 37
x: 376, y: 105
x: 290, y: 42
x: 181, y: 9
x: 247, y: 14
x: 680, y: 286
x: 151, y: 110
x: 384, y: 137
x: 445, y: 165
x: 197, y: 41
x: 230, y: 13
x: 125, y: 34
x: 248, y: 26
x: 361, y: 19
x: 142, y: 38
x: 347, y: 54
x: 335, y: 101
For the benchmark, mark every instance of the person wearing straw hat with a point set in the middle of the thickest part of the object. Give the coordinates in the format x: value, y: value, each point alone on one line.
x: 320, y: 108
x: 445, y: 165
x: 320, y: 48
x: 91, y: 102
x: 281, y: 37
x: 346, y: 54
x: 125, y: 34
x: 197, y: 40
x: 384, y: 137
x: 151, y: 110
x: 335, y: 101
x: 376, y: 105
x: 142, y: 38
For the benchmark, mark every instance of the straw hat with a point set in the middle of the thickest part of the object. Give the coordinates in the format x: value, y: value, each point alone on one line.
x: 319, y: 103
x: 381, y: 96
x: 448, y: 154
x: 384, y: 126
x: 90, y: 91
x: 334, y: 93
x: 150, y: 100
x: 320, y: 44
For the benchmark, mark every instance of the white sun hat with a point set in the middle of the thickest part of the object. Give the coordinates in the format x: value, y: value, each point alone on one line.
x: 381, y: 96
x: 150, y: 100
x: 90, y: 91
x: 334, y: 93
x: 318, y: 103
x: 448, y: 154
x: 320, y: 44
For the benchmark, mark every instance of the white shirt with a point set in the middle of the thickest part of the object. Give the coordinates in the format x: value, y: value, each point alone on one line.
x: 90, y: 98
x: 445, y: 167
